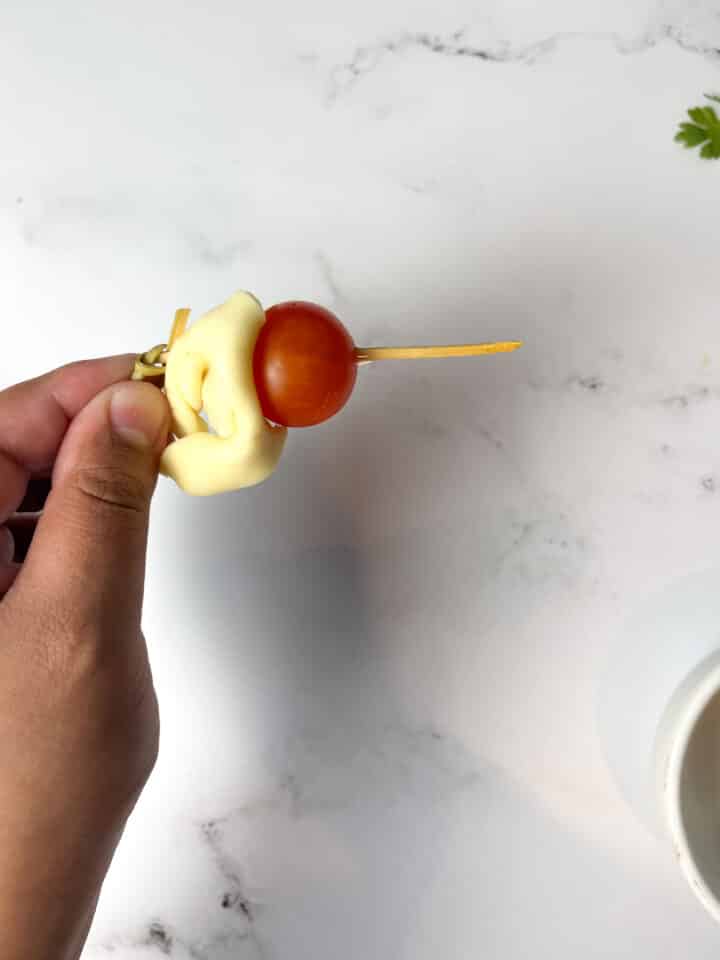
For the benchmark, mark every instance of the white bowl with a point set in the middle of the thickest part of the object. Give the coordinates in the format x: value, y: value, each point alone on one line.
x: 659, y: 719
x: 687, y: 763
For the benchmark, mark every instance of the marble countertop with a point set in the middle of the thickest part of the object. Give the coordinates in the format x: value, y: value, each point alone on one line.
x: 397, y: 684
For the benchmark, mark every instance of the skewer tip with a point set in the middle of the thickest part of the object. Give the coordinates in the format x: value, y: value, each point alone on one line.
x: 371, y: 354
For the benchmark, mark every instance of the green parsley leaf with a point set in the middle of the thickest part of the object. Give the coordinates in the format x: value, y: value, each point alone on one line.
x: 691, y: 135
x: 704, y: 130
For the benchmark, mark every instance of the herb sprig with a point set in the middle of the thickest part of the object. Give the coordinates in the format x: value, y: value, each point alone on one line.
x: 703, y: 131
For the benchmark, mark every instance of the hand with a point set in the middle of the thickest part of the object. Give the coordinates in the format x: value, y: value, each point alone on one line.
x: 78, y: 713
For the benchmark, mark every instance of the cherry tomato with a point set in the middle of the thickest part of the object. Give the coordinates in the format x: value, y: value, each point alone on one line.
x: 304, y: 364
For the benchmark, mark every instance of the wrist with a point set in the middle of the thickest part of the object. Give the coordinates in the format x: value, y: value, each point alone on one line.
x: 49, y: 893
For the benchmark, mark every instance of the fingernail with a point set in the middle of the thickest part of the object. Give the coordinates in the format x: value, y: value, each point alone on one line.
x: 7, y: 546
x: 139, y: 414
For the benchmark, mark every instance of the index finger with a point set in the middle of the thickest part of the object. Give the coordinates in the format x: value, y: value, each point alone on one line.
x: 35, y: 415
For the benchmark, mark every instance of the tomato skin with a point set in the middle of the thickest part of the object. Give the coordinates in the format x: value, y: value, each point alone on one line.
x: 304, y: 364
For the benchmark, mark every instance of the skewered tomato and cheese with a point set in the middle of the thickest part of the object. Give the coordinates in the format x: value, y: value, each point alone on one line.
x: 254, y: 374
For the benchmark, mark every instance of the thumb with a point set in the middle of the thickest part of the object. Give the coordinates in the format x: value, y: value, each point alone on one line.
x: 87, y: 559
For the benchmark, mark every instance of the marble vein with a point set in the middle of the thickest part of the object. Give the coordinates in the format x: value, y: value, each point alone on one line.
x: 660, y: 34
x: 160, y: 941
x: 327, y: 272
x: 368, y: 57
x: 234, y: 899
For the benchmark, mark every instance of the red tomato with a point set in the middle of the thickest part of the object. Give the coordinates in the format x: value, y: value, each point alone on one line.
x: 304, y: 364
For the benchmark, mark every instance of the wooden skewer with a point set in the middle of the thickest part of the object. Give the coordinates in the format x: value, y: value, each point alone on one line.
x: 178, y: 329
x: 152, y: 363
x: 371, y: 354
x: 179, y: 325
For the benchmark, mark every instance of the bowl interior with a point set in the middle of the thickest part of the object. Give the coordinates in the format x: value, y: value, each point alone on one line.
x: 699, y: 796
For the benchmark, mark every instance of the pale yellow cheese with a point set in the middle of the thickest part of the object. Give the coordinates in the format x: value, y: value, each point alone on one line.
x: 210, y: 368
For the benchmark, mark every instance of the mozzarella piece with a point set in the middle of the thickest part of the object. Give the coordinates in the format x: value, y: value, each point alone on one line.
x: 210, y: 368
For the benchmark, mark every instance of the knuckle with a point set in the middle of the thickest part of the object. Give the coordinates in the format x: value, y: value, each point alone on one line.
x: 112, y: 487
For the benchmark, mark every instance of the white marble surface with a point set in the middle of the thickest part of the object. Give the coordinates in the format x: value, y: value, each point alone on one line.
x: 397, y: 684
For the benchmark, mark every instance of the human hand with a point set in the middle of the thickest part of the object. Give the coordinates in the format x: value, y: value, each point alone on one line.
x: 78, y: 713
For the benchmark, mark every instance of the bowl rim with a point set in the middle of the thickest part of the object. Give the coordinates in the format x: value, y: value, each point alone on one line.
x: 693, y: 706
